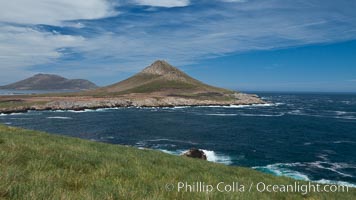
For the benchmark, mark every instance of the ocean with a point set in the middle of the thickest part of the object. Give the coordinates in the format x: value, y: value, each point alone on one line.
x: 27, y: 92
x: 303, y: 136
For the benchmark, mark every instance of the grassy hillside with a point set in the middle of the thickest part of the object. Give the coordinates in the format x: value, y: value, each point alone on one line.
x: 35, y: 165
x: 158, y: 77
x: 18, y: 103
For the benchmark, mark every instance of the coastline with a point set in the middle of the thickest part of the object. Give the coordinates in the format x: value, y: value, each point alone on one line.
x: 20, y: 104
x: 273, y: 110
x: 69, y: 161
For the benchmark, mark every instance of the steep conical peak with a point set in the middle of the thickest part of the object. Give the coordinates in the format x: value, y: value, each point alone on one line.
x: 161, y: 78
x: 160, y: 67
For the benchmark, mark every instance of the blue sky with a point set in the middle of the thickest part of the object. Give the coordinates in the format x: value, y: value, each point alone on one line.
x: 263, y: 45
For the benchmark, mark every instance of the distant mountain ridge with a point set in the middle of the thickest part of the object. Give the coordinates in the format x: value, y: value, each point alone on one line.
x: 50, y: 82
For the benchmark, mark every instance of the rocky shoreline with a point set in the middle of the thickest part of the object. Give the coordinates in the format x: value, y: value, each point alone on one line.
x: 78, y: 104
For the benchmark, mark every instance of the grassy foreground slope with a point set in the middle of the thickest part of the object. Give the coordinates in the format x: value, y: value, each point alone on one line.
x: 35, y: 165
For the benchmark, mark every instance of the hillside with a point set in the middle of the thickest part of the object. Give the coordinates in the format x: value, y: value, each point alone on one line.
x: 50, y: 82
x: 162, y: 79
x: 36, y: 165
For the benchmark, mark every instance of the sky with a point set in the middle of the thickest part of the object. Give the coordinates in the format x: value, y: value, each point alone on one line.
x: 249, y: 45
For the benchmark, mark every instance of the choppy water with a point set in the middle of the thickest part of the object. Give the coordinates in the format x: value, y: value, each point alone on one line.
x: 25, y: 92
x: 304, y: 136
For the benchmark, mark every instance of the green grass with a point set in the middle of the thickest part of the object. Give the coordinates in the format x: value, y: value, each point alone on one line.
x: 206, y: 96
x: 14, y: 104
x: 36, y: 165
x: 160, y: 85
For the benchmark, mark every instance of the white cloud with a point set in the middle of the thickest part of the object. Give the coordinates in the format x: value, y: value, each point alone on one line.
x: 181, y: 36
x: 184, y: 36
x: 163, y: 3
x: 53, y: 12
x: 22, y: 46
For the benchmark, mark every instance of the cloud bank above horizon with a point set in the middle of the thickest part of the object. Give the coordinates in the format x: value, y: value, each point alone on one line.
x: 102, y: 37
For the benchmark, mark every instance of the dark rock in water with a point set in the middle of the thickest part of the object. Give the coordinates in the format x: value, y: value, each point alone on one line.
x: 195, y: 153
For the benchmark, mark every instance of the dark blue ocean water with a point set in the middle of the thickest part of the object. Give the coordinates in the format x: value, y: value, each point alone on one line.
x: 304, y: 136
x: 25, y: 92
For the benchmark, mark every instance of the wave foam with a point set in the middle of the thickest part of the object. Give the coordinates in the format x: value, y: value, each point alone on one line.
x: 82, y: 111
x: 340, y: 112
x: 173, y: 108
x: 344, y: 141
x: 337, y: 115
x: 243, y: 106
x: 222, y: 114
x: 59, y: 117
x: 218, y: 158
x: 16, y: 113
x: 245, y: 114
x: 344, y: 183
x: 10, y: 114
x: 281, y: 169
x: 176, y: 152
x: 262, y: 115
x: 86, y: 110
x: 212, y: 156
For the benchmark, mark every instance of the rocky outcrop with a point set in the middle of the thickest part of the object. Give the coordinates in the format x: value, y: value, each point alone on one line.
x: 195, y: 153
x: 73, y: 103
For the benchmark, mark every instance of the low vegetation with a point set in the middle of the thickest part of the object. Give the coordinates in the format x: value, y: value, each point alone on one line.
x: 159, y: 77
x: 36, y: 165
x: 19, y: 103
x: 160, y: 85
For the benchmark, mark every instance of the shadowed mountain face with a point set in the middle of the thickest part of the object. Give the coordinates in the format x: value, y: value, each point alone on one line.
x: 50, y: 82
x: 162, y: 79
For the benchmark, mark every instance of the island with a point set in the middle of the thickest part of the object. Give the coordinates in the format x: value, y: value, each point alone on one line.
x: 50, y: 82
x: 158, y: 85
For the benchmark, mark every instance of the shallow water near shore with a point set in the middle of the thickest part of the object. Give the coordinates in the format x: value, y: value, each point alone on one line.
x: 303, y: 136
x: 28, y: 92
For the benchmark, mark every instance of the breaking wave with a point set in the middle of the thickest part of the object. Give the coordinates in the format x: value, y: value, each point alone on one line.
x: 58, y: 117
x: 261, y: 115
x: 87, y: 110
x: 211, y: 156
x: 326, y: 114
x: 222, y: 114
x: 284, y: 169
x: 243, y: 106
x: 246, y: 115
